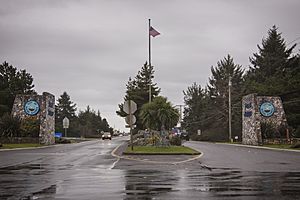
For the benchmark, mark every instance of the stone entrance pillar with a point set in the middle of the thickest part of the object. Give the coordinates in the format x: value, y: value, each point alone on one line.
x: 41, y: 107
x: 257, y: 109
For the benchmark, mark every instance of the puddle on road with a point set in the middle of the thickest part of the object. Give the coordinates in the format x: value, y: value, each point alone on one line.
x: 40, y: 181
x: 217, y: 183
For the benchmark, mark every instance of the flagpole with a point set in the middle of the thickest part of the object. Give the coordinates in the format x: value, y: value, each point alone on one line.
x: 149, y: 58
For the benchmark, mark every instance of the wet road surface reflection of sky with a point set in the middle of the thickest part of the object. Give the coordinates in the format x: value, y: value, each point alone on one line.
x: 38, y: 181
x: 87, y: 170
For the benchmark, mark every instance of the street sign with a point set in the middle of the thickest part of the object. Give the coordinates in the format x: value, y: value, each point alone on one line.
x: 66, y: 122
x: 129, y: 104
x: 133, y: 119
x: 58, y: 135
x: 199, y: 132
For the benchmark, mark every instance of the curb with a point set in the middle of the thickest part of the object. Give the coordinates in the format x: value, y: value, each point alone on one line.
x: 163, y: 154
x: 260, y: 147
x: 113, y: 153
x: 28, y: 148
x: 42, y: 147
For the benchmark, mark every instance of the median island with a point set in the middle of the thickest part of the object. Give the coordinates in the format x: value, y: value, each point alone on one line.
x: 154, y: 150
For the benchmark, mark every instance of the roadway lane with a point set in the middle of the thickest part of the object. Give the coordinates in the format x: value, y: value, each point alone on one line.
x: 69, y: 171
x: 88, y: 171
x: 218, y: 155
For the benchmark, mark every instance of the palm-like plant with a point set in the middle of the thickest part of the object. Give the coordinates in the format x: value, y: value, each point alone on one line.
x: 159, y: 114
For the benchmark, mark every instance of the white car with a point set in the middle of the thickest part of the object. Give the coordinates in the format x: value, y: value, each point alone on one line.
x: 106, y: 135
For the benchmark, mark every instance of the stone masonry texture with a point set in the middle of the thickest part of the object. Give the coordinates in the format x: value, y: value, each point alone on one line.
x: 252, y: 117
x: 46, y: 114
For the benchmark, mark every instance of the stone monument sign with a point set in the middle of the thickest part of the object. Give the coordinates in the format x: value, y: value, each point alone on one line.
x: 41, y: 107
x: 258, y: 109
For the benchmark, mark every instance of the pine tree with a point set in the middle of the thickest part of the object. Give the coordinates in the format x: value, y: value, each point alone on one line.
x: 218, y: 90
x: 92, y: 124
x: 275, y: 71
x: 65, y: 108
x: 195, y: 99
x: 138, y: 91
x: 13, y: 82
x: 270, y: 66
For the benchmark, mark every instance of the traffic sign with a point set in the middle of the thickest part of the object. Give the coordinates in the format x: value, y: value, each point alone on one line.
x: 66, y: 122
x: 133, y: 119
x: 129, y: 107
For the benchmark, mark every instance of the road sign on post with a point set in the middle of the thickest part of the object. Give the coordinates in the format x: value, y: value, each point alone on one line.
x: 130, y: 107
x: 66, y: 123
x: 132, y: 120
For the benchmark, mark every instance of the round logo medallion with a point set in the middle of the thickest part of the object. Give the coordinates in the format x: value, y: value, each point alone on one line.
x: 31, y: 107
x: 267, y: 109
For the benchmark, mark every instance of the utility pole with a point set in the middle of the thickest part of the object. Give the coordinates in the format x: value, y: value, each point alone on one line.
x: 229, y: 107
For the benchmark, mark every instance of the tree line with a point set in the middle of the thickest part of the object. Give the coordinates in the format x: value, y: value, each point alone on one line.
x: 13, y: 81
x: 274, y: 71
x: 87, y: 123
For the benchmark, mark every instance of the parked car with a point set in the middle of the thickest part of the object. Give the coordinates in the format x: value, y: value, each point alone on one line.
x: 106, y: 135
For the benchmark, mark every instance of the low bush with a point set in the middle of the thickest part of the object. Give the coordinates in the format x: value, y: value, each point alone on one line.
x: 296, y: 145
x: 62, y: 141
x: 10, y: 126
x: 176, y: 140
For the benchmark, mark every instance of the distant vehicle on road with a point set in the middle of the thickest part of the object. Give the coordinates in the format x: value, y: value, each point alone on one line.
x: 185, y: 136
x: 106, y: 135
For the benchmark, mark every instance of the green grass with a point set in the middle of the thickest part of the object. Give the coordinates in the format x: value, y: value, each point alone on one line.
x: 14, y: 146
x: 160, y: 150
x: 279, y: 146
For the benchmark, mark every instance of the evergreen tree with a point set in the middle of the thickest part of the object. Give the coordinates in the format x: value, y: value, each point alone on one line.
x: 269, y: 72
x: 65, y: 108
x: 196, y: 110
x: 276, y: 71
x: 13, y: 82
x: 291, y: 96
x: 218, y: 90
x: 92, y: 124
x: 138, y: 91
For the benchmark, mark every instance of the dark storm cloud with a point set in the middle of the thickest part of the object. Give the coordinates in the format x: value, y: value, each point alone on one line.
x: 91, y: 48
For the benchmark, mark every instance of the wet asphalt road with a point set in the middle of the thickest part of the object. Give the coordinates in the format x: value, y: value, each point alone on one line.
x: 88, y: 171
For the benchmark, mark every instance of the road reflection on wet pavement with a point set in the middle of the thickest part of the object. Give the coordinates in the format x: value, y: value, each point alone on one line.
x: 89, y: 171
x: 99, y: 183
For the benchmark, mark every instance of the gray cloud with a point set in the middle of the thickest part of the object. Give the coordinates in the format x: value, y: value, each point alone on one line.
x: 91, y: 48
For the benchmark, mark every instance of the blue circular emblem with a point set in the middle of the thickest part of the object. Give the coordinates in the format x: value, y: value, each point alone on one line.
x: 267, y: 109
x: 31, y: 107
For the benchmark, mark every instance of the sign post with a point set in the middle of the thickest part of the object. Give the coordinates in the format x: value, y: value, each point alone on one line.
x: 130, y: 107
x: 66, y: 123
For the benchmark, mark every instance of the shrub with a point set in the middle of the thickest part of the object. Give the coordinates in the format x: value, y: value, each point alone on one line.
x: 268, y: 130
x: 30, y: 127
x: 296, y: 132
x: 10, y: 126
x: 211, y: 135
x: 62, y: 141
x: 296, y: 145
x: 176, y: 140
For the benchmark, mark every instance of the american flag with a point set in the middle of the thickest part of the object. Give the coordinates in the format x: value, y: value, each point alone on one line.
x: 153, y: 32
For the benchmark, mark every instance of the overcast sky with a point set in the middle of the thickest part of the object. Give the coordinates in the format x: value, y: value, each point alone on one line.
x: 90, y: 48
